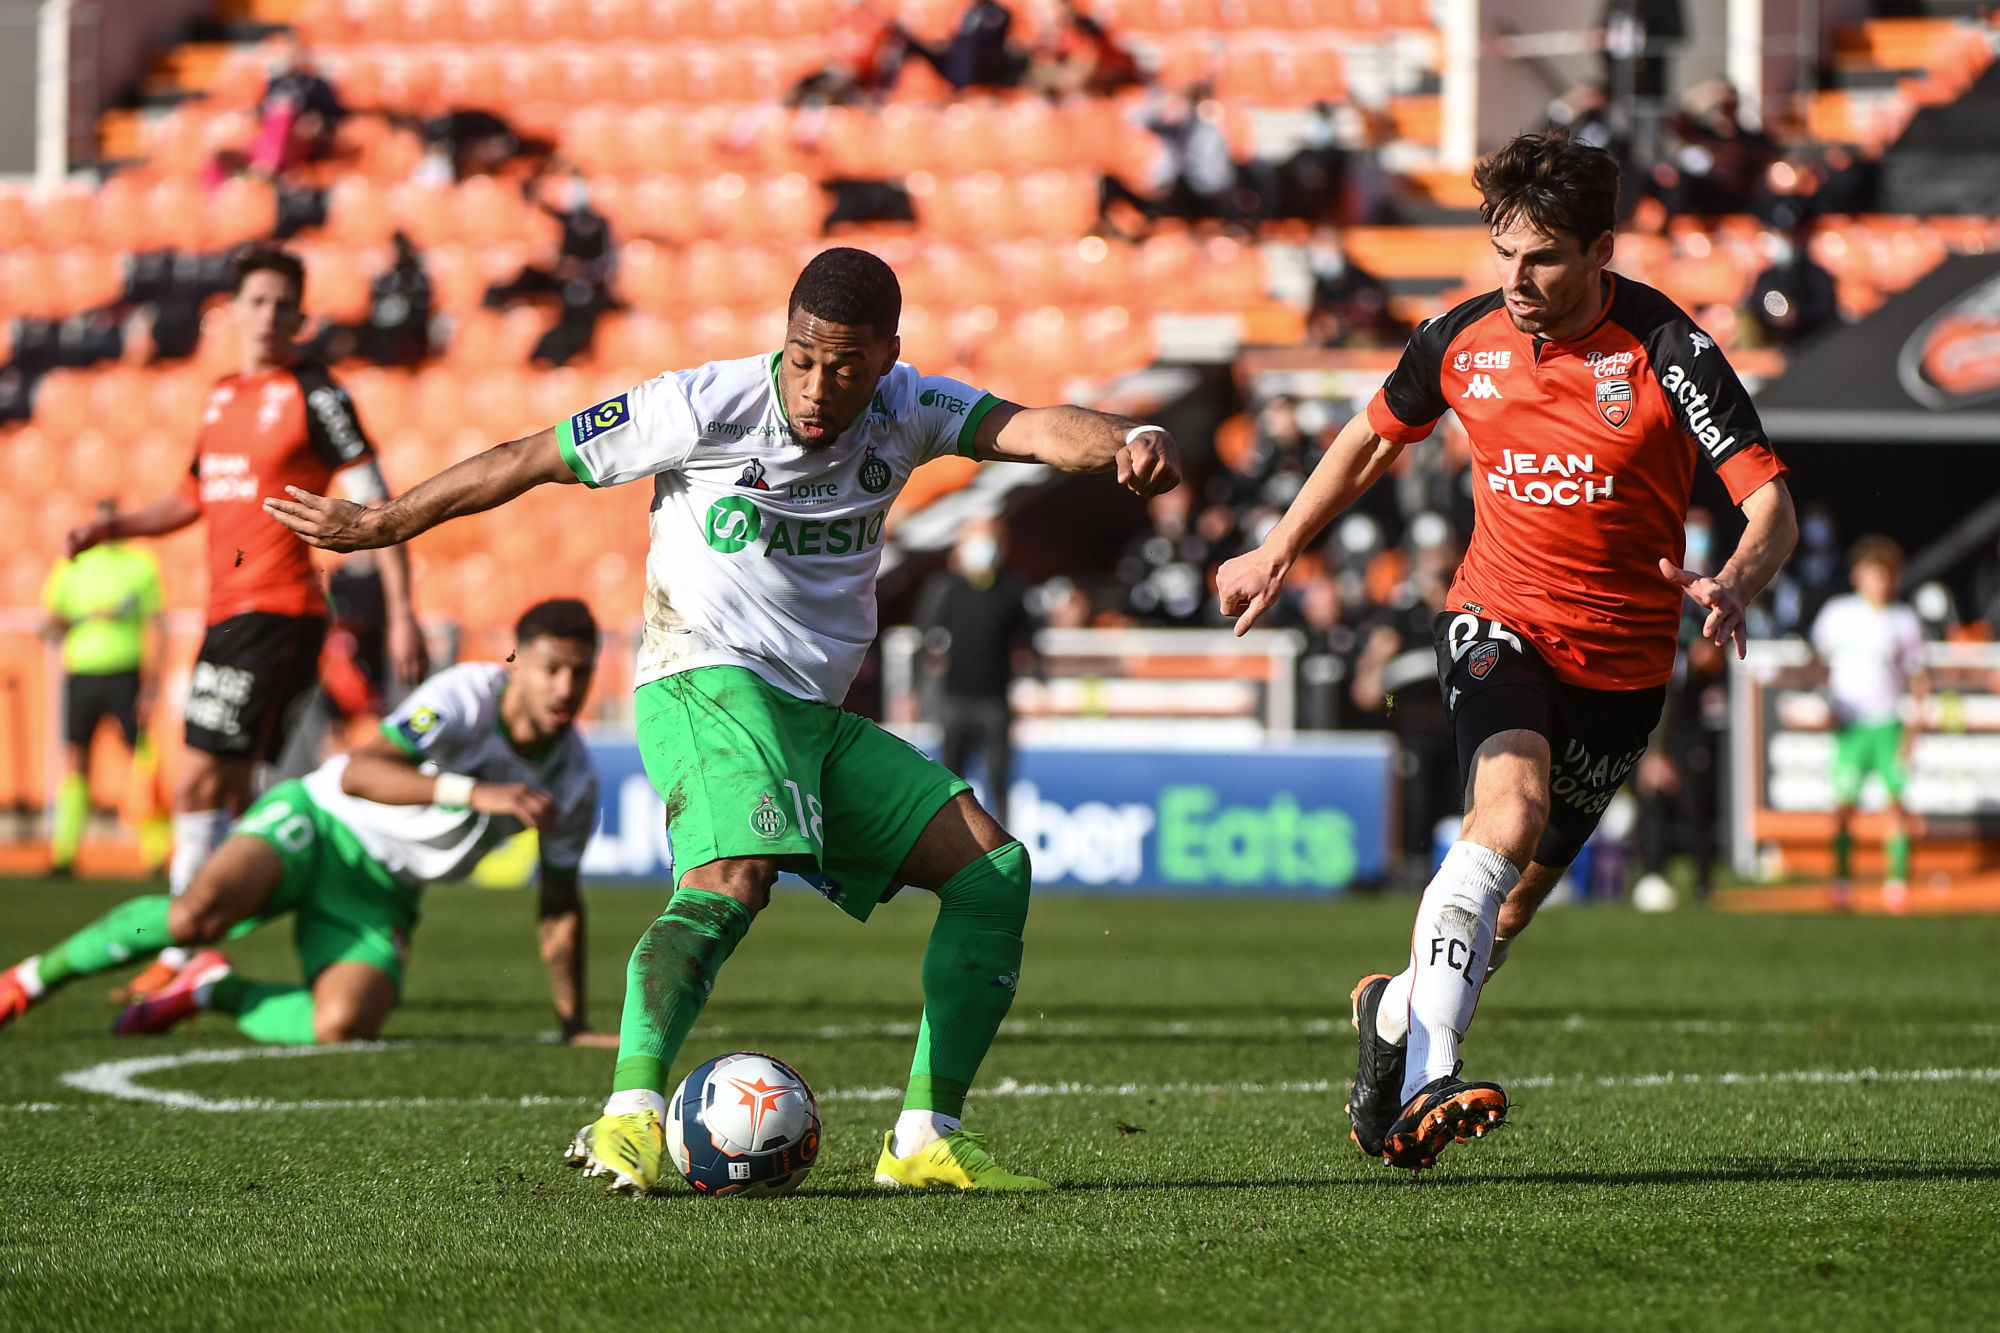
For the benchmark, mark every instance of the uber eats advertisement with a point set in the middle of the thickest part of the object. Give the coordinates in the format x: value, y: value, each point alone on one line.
x: 1309, y: 817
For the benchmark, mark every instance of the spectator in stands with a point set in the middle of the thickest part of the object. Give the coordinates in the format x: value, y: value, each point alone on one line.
x: 1326, y: 667
x: 865, y: 54
x: 461, y: 144
x: 1197, y: 177
x: 1166, y: 571
x: 977, y: 628
x: 1079, y: 56
x: 300, y: 111
x: 583, y: 254
x: 104, y: 608
x: 1350, y: 306
x: 1793, y: 298
x: 1064, y: 604
x: 1816, y: 572
x: 397, y: 331
x: 977, y: 56
x: 1638, y: 37
x: 1719, y: 165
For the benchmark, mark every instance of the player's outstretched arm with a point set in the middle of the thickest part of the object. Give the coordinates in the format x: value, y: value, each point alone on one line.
x: 384, y: 774
x: 1077, y: 439
x: 1771, y: 530
x: 481, y: 482
x: 1356, y: 460
x: 559, y: 927
x: 169, y: 513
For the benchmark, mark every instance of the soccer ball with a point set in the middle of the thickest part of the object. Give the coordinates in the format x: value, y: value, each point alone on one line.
x: 744, y: 1125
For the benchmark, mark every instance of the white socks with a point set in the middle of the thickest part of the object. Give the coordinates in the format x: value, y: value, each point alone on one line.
x: 29, y: 973
x: 197, y: 833
x: 1451, y: 948
x: 637, y: 1099
x: 918, y: 1130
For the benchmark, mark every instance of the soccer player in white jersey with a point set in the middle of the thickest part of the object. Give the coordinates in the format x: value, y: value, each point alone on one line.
x: 1873, y: 649
x: 772, y: 481
x: 475, y: 755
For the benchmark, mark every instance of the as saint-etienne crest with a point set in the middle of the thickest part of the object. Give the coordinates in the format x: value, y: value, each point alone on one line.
x: 875, y: 474
x: 767, y: 820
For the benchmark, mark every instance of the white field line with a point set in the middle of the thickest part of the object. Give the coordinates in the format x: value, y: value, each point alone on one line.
x: 119, y: 1079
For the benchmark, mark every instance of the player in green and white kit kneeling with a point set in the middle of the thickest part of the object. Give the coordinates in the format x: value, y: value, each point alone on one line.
x: 772, y: 482
x: 475, y: 755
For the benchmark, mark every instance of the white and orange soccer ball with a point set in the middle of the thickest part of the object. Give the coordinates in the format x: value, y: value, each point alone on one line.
x: 744, y: 1125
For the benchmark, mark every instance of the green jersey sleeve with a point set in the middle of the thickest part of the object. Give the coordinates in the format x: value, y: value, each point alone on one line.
x: 947, y: 417
x: 648, y: 429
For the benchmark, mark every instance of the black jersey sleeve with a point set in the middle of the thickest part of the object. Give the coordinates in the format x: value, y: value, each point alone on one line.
x: 1700, y: 385
x: 332, y: 426
x: 1414, y: 394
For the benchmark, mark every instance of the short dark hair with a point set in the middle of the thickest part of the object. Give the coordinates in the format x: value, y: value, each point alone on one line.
x: 1875, y: 549
x: 1552, y: 181
x: 848, y: 286
x: 268, y: 259
x: 557, y: 618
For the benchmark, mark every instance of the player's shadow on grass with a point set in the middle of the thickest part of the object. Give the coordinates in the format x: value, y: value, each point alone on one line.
x: 1772, y: 1171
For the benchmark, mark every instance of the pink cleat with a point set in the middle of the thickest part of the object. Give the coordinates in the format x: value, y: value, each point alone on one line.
x: 14, y: 995
x: 174, y: 1002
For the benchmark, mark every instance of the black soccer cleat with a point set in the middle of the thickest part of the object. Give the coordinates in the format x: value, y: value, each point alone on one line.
x: 1373, y: 1096
x: 1444, y: 1111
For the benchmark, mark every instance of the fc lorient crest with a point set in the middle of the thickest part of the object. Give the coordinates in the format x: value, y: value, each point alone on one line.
x: 1614, y: 401
x: 875, y: 474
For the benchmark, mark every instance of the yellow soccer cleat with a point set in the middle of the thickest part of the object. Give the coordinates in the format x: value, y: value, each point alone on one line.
x: 627, y: 1148
x: 958, y: 1161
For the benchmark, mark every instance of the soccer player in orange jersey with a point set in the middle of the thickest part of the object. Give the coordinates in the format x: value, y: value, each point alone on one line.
x: 1589, y: 399
x: 278, y: 422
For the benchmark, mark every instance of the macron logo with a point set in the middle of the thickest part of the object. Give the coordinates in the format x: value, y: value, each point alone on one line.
x: 1480, y: 386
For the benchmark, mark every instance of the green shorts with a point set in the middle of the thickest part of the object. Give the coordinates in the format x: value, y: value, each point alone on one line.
x: 746, y: 769
x: 345, y: 905
x: 1863, y: 748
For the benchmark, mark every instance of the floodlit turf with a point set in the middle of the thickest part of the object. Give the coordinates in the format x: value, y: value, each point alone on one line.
x: 1635, y: 1188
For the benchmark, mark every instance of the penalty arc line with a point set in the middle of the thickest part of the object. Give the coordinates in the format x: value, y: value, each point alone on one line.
x: 118, y: 1079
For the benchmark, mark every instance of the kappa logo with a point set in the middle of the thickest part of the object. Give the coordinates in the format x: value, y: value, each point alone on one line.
x: 1614, y: 401
x: 1702, y: 342
x: 767, y: 820
x: 1481, y: 659
x: 1480, y: 386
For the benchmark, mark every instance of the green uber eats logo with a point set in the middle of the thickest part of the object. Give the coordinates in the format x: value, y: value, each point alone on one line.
x: 732, y: 524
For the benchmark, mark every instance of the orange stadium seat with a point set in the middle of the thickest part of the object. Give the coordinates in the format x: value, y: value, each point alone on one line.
x: 180, y: 396
x: 16, y: 216
x: 121, y: 405
x: 155, y: 464
x: 381, y: 398
x: 62, y: 403
x: 241, y: 209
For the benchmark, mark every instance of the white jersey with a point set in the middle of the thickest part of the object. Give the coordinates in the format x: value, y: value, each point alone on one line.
x: 451, y: 724
x: 764, y: 554
x: 1870, y: 653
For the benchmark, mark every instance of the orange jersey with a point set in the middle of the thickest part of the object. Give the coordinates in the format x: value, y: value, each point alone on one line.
x: 260, y: 434
x: 1583, y: 456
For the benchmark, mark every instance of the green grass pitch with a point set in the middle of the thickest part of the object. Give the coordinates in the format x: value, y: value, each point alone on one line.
x: 1698, y: 1140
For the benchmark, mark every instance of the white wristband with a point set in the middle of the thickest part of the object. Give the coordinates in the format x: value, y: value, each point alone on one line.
x: 1137, y: 431
x: 453, y: 791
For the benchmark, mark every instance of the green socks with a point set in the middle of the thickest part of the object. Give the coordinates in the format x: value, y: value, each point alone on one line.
x: 971, y: 968
x: 1899, y: 857
x: 668, y: 980
x: 72, y: 809
x: 136, y: 928
x: 268, y: 1011
x: 1843, y: 853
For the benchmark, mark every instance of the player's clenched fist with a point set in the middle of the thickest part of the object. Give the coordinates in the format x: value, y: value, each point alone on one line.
x: 1149, y: 462
x: 1251, y: 584
x: 330, y: 524
x: 533, y: 808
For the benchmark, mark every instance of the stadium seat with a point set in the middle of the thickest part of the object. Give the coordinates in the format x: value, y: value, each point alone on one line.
x: 121, y: 410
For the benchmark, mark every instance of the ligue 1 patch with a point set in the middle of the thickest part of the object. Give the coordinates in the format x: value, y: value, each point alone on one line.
x: 417, y: 724
x: 1614, y: 401
x: 1481, y: 659
x: 594, y: 421
x: 875, y: 474
x: 767, y: 820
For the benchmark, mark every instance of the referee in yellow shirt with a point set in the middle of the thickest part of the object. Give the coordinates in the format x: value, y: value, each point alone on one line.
x: 104, y: 606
